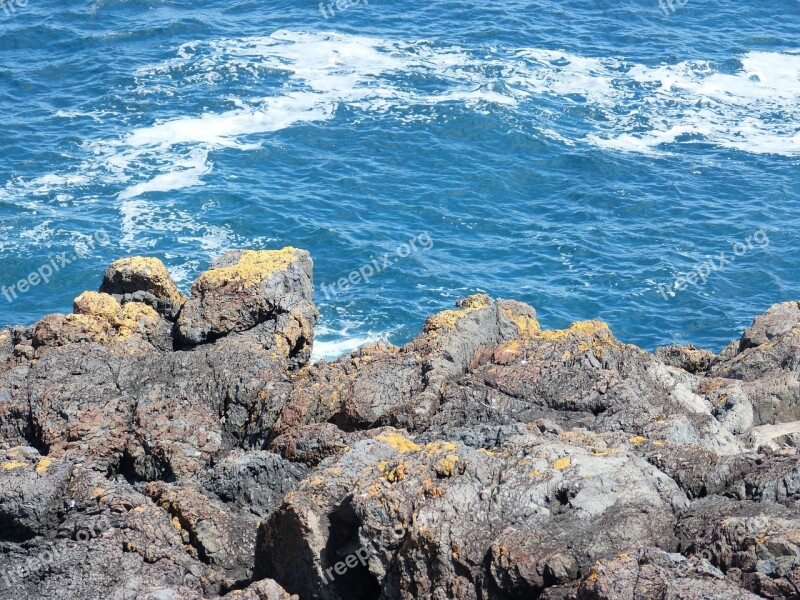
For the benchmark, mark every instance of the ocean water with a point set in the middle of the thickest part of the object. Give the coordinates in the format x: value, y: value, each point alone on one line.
x: 579, y: 155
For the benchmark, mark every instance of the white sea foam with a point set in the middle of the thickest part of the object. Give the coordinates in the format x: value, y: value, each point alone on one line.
x: 330, y: 343
x: 289, y: 78
x: 330, y: 350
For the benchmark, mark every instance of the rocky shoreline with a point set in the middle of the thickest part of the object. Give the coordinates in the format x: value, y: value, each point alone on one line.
x: 163, y: 447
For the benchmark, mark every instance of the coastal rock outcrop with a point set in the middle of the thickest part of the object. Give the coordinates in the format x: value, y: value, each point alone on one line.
x: 156, y: 445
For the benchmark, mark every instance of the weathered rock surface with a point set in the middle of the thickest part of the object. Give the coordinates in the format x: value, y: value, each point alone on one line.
x: 144, y: 280
x: 154, y: 445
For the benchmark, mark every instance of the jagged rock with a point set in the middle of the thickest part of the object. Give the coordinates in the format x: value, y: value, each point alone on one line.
x: 757, y: 545
x: 6, y: 345
x: 215, y: 535
x: 687, y: 358
x: 537, y: 508
x: 381, y: 384
x: 100, y: 318
x: 153, y: 446
x: 584, y: 377
x: 653, y: 573
x: 767, y: 374
x: 144, y: 280
x: 779, y: 319
x: 255, y: 481
x: 266, y: 589
x: 268, y: 294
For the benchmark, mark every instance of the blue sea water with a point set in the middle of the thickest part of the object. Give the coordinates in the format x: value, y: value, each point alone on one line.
x: 576, y: 155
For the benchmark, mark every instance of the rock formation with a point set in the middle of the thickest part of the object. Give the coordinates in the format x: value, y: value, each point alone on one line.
x: 154, y: 445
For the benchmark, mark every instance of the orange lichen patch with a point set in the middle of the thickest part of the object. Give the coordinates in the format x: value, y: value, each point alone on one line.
x: 590, y: 327
x: 398, y: 442
x: 527, y: 326
x: 139, y: 509
x: 658, y: 443
x: 455, y: 549
x: 446, y: 320
x: 592, y: 577
x: 103, y: 318
x: 552, y: 335
x: 132, y: 318
x: 14, y: 464
x: 446, y: 467
x: 252, y: 268
x: 598, y: 331
x: 97, y: 492
x: 43, y: 465
x: 440, y: 447
x: 510, y: 347
x: 176, y: 523
x: 534, y: 473
x: 562, y: 463
x: 434, y: 492
x: 637, y: 439
x: 396, y: 473
x: 485, y: 451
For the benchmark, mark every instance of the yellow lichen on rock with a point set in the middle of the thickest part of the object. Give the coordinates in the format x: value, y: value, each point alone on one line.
x: 43, y: 465
x: 440, y: 447
x: 131, y: 317
x: 252, y: 268
x: 96, y: 304
x: 14, y: 464
x: 446, y: 320
x: 396, y: 473
x: 562, y: 463
x: 158, y: 278
x: 398, y: 442
x: 103, y: 319
x: 527, y: 326
x: 598, y: 332
x: 446, y: 467
x: 637, y: 439
x: 589, y: 327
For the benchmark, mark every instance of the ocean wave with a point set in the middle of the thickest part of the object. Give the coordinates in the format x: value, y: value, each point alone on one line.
x: 279, y: 81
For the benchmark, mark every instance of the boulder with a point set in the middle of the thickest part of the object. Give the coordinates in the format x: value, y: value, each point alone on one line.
x: 266, y: 294
x: 145, y: 280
